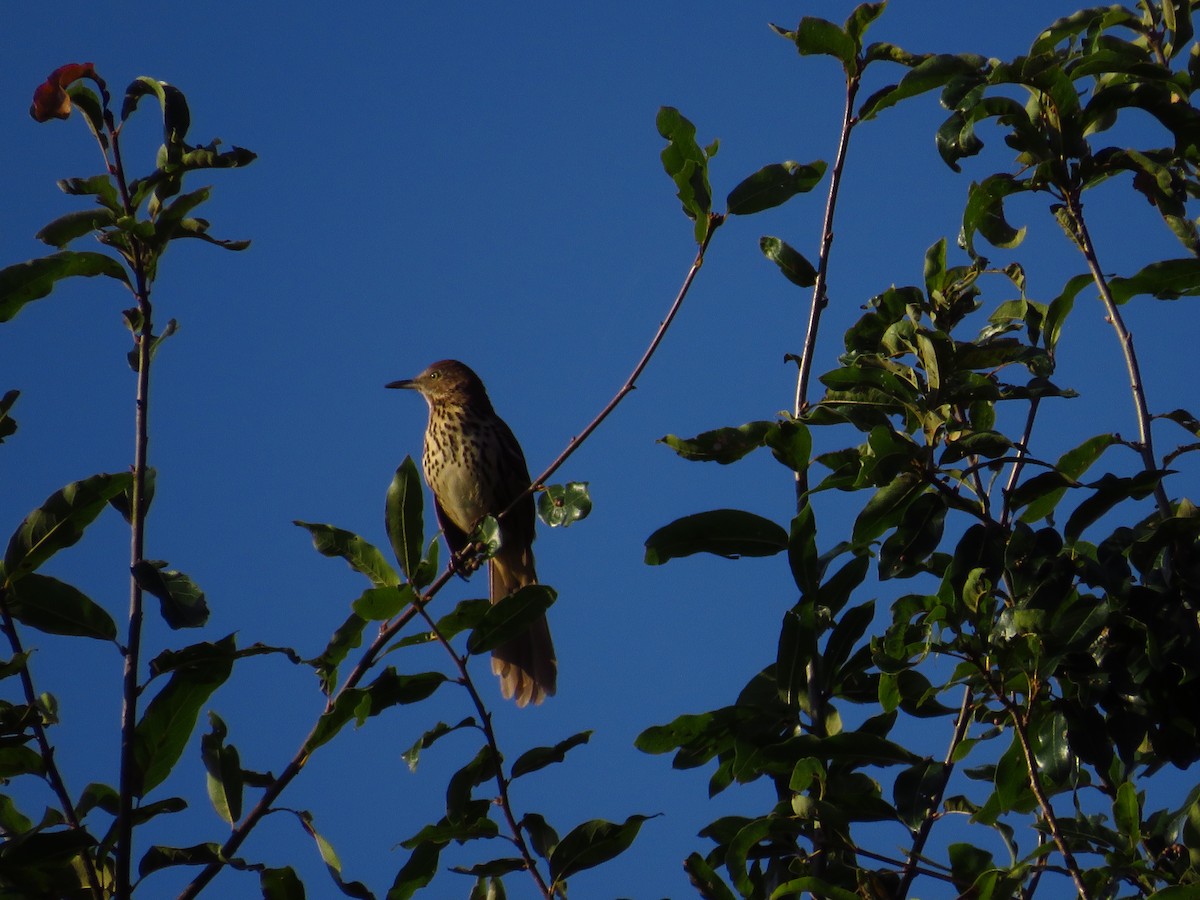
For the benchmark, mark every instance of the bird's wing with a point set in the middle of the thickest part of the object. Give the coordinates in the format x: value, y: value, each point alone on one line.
x: 456, y: 538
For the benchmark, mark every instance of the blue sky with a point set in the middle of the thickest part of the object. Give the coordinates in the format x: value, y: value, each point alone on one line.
x: 446, y: 181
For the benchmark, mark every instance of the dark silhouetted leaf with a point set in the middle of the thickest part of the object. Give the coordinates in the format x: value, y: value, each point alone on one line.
x: 281, y: 884
x: 773, y: 185
x: 510, y: 617
x: 170, y: 717
x: 795, y: 268
x: 49, y: 605
x: 59, y: 522
x: 722, y: 445
x: 540, y: 757
x: 32, y: 280
x: 181, y: 601
x: 724, y: 532
x: 76, y: 224
x: 591, y: 844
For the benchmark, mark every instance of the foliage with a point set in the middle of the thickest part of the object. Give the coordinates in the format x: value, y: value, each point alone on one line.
x: 1052, y: 624
x: 1045, y: 634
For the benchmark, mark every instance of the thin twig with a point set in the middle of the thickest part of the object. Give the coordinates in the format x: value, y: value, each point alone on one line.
x: 1019, y: 464
x: 820, y: 299
x: 129, y: 774
x: 714, y: 222
x: 485, y: 724
x: 911, y: 867
x: 1125, y: 339
x: 1035, y: 784
x: 52, y: 774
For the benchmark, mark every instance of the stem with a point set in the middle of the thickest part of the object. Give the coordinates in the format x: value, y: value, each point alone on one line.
x: 714, y: 222
x: 1022, y: 452
x: 820, y: 299
x: 485, y: 719
x: 1125, y: 339
x: 129, y: 774
x: 53, y: 775
x: 1035, y: 784
x: 911, y: 867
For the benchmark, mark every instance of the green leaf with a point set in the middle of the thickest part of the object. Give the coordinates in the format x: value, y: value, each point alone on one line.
x: 49, y: 605
x: 984, y: 213
x: 797, y: 649
x: 123, y: 502
x: 59, y: 522
x: 32, y: 280
x: 1071, y: 465
x: 815, y: 36
x: 99, y: 186
x: 773, y: 185
x: 1167, y: 279
x: 722, y: 445
x: 387, y: 690
x: 917, y: 536
x: 560, y: 505
x: 510, y: 617
x: 465, y: 615
x: 795, y: 268
x: 724, y: 532
x: 886, y: 507
x: 803, y: 558
x: 705, y: 879
x: 413, y: 754
x: 1109, y: 491
x: 170, y: 717
x: 861, y: 18
x: 591, y: 844
x: 8, y: 425
x: 404, y: 516
x: 929, y: 73
x: 1183, y: 419
x: 74, y: 225
x: 540, y: 757
x: 332, y: 863
x: 341, y: 642
x: 381, y: 604
x: 158, y: 858
x: 542, y: 837
x: 362, y: 556
x: 181, y: 601
x: 481, y: 768
x: 687, y: 165
x: 281, y: 884
x: 224, y: 771
x: 417, y: 871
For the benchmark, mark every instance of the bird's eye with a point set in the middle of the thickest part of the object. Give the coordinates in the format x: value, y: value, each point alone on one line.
x: 434, y: 376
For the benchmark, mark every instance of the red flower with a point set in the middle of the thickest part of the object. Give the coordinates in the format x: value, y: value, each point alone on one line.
x: 50, y: 100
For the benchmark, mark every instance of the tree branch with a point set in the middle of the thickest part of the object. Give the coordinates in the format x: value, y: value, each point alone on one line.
x: 820, y: 299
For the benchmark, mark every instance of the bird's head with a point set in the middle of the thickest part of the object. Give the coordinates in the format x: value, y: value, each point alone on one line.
x: 446, y: 382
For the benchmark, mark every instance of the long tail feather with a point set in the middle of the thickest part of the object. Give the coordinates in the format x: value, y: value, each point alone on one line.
x: 526, y: 665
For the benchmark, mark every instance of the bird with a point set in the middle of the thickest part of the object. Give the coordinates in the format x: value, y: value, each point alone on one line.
x: 474, y: 467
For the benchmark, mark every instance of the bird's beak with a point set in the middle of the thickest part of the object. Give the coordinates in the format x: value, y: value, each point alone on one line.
x: 403, y: 383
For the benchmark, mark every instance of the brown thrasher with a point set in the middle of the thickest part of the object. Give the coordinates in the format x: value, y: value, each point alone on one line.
x: 475, y: 468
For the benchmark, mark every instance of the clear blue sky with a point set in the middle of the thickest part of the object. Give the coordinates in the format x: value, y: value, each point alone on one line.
x: 444, y: 180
